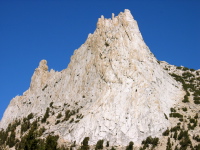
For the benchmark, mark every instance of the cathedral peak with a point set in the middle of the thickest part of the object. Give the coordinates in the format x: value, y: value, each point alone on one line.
x: 113, y: 89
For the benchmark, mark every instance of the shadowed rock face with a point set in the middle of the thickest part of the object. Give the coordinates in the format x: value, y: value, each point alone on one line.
x: 113, y: 81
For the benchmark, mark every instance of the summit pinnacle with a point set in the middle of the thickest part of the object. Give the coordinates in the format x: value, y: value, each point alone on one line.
x: 114, y: 89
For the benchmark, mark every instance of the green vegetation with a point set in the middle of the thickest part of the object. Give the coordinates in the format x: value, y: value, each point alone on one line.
x: 197, y: 101
x: 176, y: 115
x: 166, y: 132
x: 112, y: 148
x: 30, y: 136
x: 3, y: 137
x: 46, y: 115
x: 11, y: 139
x: 51, y: 142
x: 196, y: 138
x: 107, y: 144
x: 169, y: 145
x: 59, y: 115
x: 57, y: 122
x: 175, y: 135
x: 184, y: 140
x: 189, y: 85
x: 185, y: 68
x: 175, y: 129
x: 30, y: 116
x: 51, y: 104
x: 193, y: 123
x: 68, y: 114
x: 184, y: 109
x: 196, y: 116
x: 130, y: 146
x: 99, y: 145
x: 25, y: 125
x: 197, y: 147
x: 173, y: 109
x: 185, y: 100
x: 72, y: 120
x: 85, y: 145
x: 153, y: 142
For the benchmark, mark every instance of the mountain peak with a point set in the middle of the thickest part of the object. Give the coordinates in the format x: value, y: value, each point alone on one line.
x: 114, y: 89
x: 124, y: 20
x: 125, y: 16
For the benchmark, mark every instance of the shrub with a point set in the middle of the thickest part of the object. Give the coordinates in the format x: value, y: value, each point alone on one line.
x: 51, y: 142
x: 185, y: 142
x: 57, y: 122
x: 192, y: 120
x: 176, y: 115
x: 59, y: 115
x: 112, y: 148
x: 85, y: 145
x: 72, y: 120
x: 179, y: 67
x: 30, y: 116
x: 169, y: 146
x: 173, y: 109
x: 182, y: 134
x: 185, y: 100
x: 184, y: 109
x: 185, y: 68
x: 67, y: 115
x: 175, y: 135
x: 181, y: 119
x: 25, y: 126
x: 196, y: 116
x: 11, y: 140
x: 166, y: 133
x: 187, y: 75
x: 196, y: 98
x: 107, y: 144
x: 51, y: 104
x: 197, y: 102
x: 99, y: 145
x: 41, y: 130
x: 197, y: 146
x: 176, y: 128
x: 3, y: 136
x: 150, y: 140
x: 192, y: 70
x: 197, y: 138
x: 130, y: 146
x: 178, y: 78
x: 46, y: 115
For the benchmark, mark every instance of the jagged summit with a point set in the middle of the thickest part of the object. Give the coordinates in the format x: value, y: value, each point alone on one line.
x: 43, y: 65
x: 124, y: 20
x: 40, y: 76
x: 114, y: 89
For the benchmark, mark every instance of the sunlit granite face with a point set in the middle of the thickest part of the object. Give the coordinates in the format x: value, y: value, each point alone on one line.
x: 113, y: 81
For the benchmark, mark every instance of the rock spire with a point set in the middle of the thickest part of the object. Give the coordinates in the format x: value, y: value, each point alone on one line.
x: 114, y: 84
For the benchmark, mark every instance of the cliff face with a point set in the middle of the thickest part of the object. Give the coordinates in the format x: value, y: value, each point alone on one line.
x: 114, y: 89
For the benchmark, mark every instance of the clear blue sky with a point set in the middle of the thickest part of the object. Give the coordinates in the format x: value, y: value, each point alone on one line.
x: 51, y: 29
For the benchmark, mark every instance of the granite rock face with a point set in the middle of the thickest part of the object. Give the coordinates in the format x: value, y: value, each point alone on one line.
x: 114, y: 86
